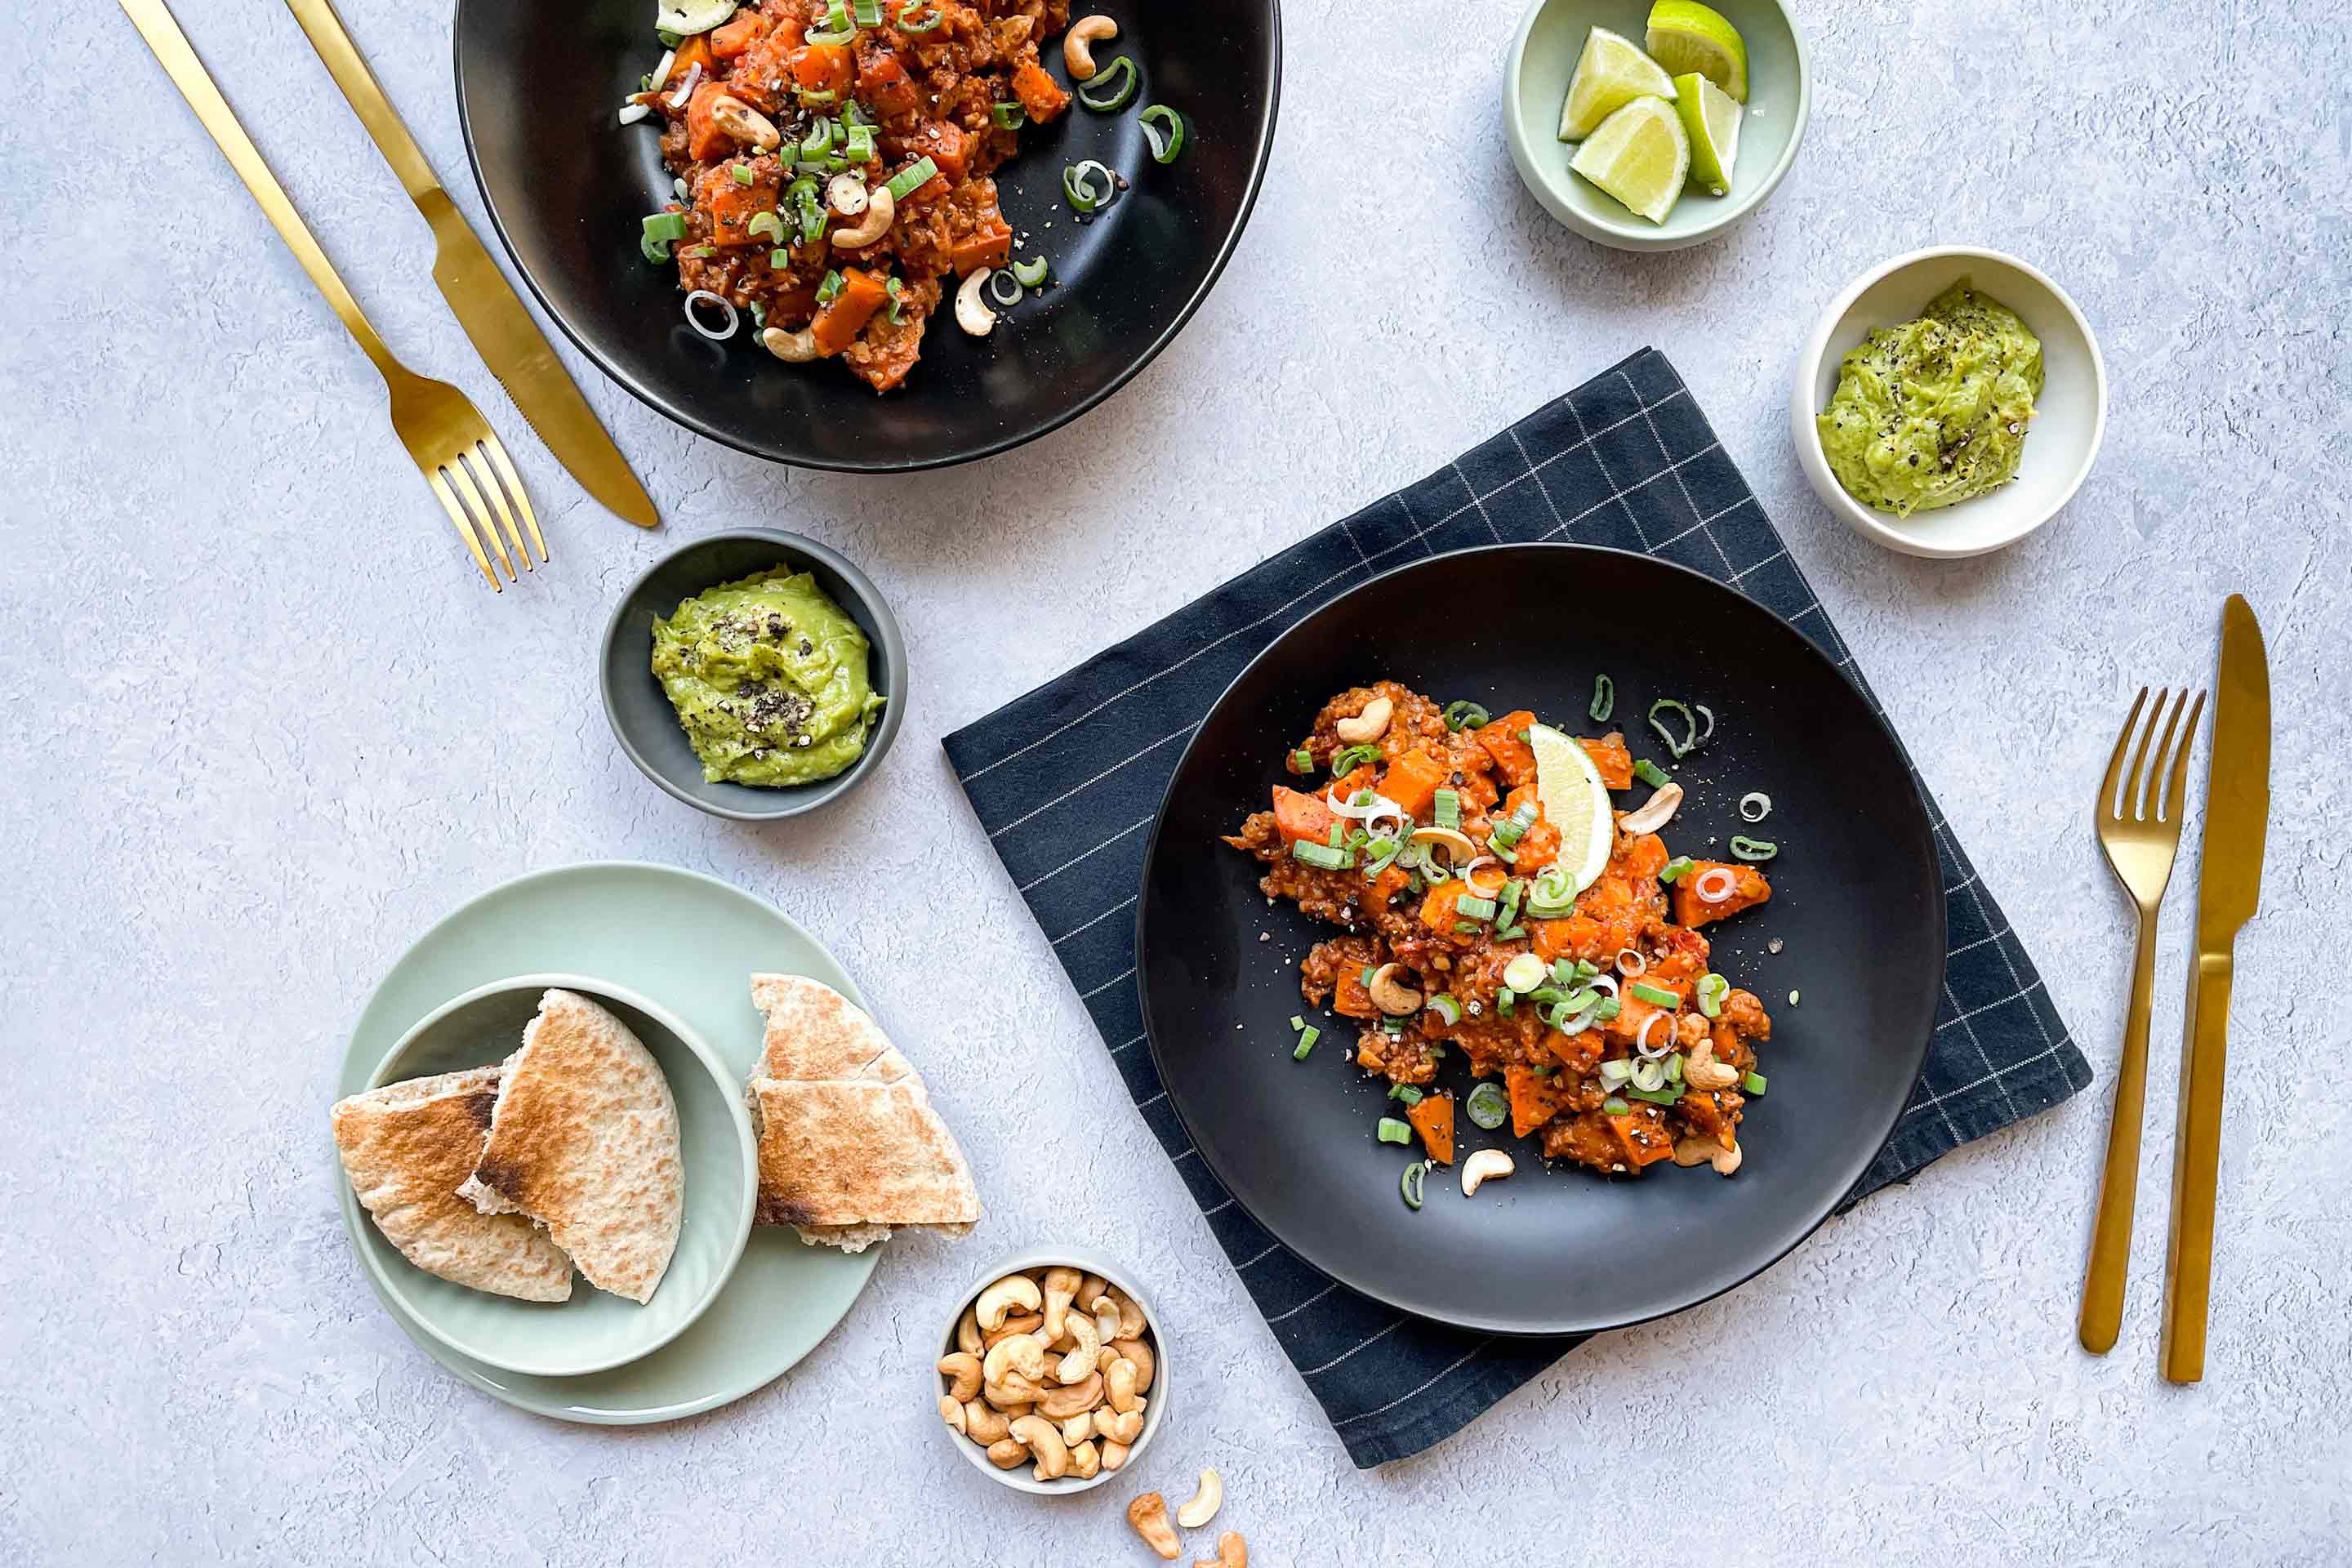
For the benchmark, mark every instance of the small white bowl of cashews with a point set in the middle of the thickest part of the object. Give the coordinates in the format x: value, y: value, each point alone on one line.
x: 1053, y: 1373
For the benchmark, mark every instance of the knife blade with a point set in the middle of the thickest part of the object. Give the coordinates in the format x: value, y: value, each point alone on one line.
x: 2228, y: 886
x: 485, y: 304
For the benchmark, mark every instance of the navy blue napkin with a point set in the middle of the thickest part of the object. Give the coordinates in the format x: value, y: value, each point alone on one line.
x: 1626, y: 460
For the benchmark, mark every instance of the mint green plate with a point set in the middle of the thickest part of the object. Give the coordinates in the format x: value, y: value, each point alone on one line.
x: 691, y: 944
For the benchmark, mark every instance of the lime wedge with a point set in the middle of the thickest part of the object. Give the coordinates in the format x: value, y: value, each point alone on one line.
x: 1611, y: 73
x: 1711, y: 120
x: 1686, y: 37
x: 1574, y: 800
x: 1639, y: 155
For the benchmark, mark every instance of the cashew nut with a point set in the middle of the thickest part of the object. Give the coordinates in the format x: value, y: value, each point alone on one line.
x: 1139, y: 1353
x: 984, y: 1423
x: 1045, y: 1440
x: 846, y: 193
x: 1061, y: 1288
x: 1086, y: 1459
x: 1458, y: 844
x: 1024, y: 1324
x: 1703, y: 1151
x: 1061, y: 1404
x: 1120, y: 1429
x: 743, y: 123
x: 1726, y: 1161
x: 968, y: 1334
x: 972, y: 313
x: 1086, y: 1345
x: 1149, y: 1514
x: 793, y: 348
x: 951, y: 1412
x: 1104, y: 1356
x: 964, y: 1372
x: 1090, y: 1291
x: 1004, y: 1453
x: 880, y: 210
x: 1485, y: 1166
x: 1077, y: 44
x: 1655, y: 814
x: 1022, y: 1353
x: 1078, y: 1428
x: 1389, y: 995
x: 1113, y: 1453
x: 1203, y: 1504
x: 1106, y: 1319
x: 1701, y: 1070
x: 1119, y: 1385
x: 1233, y: 1551
x: 1131, y: 1316
x: 1368, y: 725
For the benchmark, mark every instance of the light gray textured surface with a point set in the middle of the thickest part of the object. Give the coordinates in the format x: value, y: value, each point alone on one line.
x: 262, y: 729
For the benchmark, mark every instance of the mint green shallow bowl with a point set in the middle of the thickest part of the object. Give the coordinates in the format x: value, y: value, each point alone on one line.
x: 1534, y: 84
x: 689, y: 944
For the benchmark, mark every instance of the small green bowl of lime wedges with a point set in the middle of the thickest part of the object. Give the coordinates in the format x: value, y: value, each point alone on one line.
x: 1654, y: 124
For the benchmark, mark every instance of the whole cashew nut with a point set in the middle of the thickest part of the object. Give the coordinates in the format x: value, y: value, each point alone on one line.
x: 1233, y: 1551
x: 798, y: 348
x: 1701, y: 1070
x: 1086, y: 1459
x: 968, y: 1334
x: 1131, y: 1316
x: 1015, y: 1356
x: 881, y: 209
x: 1090, y: 1291
x: 1148, y: 1515
x: 1078, y: 1428
x: 1123, y: 1429
x: 1113, y: 1453
x: 1205, y: 1502
x: 1045, y: 1440
x: 744, y: 123
x: 1389, y: 995
x: 964, y: 1374
x: 1368, y: 725
x: 1026, y: 1324
x: 1726, y: 1161
x: 1061, y: 1404
x: 1086, y: 1345
x: 1061, y: 1288
x: 984, y: 1423
x: 1077, y: 44
x: 1105, y: 1319
x: 1655, y: 814
x: 1139, y: 1353
x: 1487, y: 1165
x: 951, y: 1412
x: 1004, y: 1453
x: 972, y: 311
x: 1119, y: 1385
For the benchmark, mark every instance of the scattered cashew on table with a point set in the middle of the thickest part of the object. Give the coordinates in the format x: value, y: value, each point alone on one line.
x: 1149, y: 1516
x: 1052, y: 1367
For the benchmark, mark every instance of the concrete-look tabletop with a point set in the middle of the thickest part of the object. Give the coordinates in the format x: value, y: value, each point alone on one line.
x: 264, y: 724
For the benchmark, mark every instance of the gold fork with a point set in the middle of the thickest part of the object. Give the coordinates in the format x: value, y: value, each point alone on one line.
x: 2138, y: 820
x: 454, y: 445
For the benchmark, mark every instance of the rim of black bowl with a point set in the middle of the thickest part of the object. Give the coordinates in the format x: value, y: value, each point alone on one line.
x: 986, y: 448
x: 1353, y: 1278
x: 793, y: 800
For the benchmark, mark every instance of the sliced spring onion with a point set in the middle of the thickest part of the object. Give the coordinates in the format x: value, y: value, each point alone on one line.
x: 868, y: 12
x: 1703, y: 712
x: 918, y: 17
x: 1655, y: 996
x: 1405, y: 1092
x: 1392, y: 1131
x: 819, y: 140
x: 1648, y: 1074
x: 1008, y: 116
x: 1446, y: 1007
x: 1167, y: 143
x: 1507, y: 1003
x: 895, y: 289
x: 631, y: 113
x: 1615, y: 1107
x: 835, y: 26
x: 1031, y: 271
x: 1615, y: 1071
x: 768, y: 227
x: 1447, y: 807
x: 1752, y: 1083
x: 1507, y: 917
x: 780, y: 259
x: 1655, y: 1096
x: 999, y: 281
x: 1553, y: 892
x: 1641, y: 1047
x: 858, y: 144
x: 660, y: 229
x: 1632, y: 964
x: 1466, y: 928
x: 1307, y: 1038
x: 742, y: 173
x: 1410, y: 1182
x: 1649, y: 773
x: 912, y: 178
x: 1473, y: 907
x: 1110, y: 87
x: 685, y: 87
x: 1604, y: 699
x: 1297, y: 1023
x: 1488, y: 1106
x: 704, y: 297
x: 1351, y: 757
x: 1512, y: 828
x: 1675, y: 869
x: 1460, y: 716
x: 1680, y: 747
x: 1302, y: 761
x: 1524, y: 972
x: 1674, y: 1067
x: 660, y: 78
x: 1712, y: 990
x: 814, y: 97
x: 830, y: 288
x: 1321, y: 856
x: 1753, y: 849
x: 1088, y: 186
x: 1760, y: 802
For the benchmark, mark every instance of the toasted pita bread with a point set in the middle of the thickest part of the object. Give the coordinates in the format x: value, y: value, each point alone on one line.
x: 845, y: 1162
x: 815, y: 1035
x: 584, y: 1139
x: 406, y: 1147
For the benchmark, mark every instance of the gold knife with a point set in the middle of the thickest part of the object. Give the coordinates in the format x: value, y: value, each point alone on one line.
x: 502, y: 330
x: 2229, y: 881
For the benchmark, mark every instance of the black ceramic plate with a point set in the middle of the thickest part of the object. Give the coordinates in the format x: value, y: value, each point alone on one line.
x: 538, y: 90
x: 1857, y: 904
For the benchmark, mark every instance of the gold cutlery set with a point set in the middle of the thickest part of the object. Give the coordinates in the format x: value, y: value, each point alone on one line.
x: 2139, y: 818
x: 455, y: 447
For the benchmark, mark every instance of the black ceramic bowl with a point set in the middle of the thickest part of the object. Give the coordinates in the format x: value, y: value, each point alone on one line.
x: 538, y: 87
x: 1857, y: 902
x: 647, y: 725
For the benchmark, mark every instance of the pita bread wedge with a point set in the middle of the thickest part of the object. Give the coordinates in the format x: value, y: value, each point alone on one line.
x: 845, y: 1162
x: 406, y: 1147
x: 584, y: 1140
x: 815, y: 1035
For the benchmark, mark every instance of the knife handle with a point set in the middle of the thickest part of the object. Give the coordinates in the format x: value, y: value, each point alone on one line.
x: 2196, y: 1170
x: 366, y: 95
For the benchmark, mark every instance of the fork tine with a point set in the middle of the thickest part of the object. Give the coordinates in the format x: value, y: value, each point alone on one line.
x: 480, y: 512
x: 2136, y: 789
x: 2178, y: 778
x: 2107, y: 797
x: 465, y: 527
x: 489, y: 486
x: 2153, y: 781
x: 514, y: 486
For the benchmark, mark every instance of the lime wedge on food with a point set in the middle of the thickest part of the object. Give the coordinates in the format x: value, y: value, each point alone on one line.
x: 1575, y: 800
x: 688, y: 16
x: 1686, y: 37
x: 1609, y: 74
x: 1711, y: 120
x: 1639, y: 155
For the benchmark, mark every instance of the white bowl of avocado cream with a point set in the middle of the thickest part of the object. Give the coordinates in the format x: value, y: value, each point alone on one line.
x: 1949, y: 402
